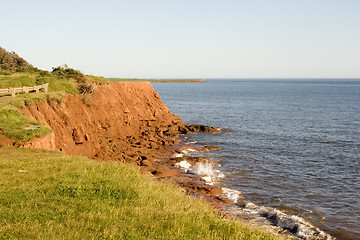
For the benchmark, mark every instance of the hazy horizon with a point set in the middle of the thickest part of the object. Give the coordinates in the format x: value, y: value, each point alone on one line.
x: 188, y: 39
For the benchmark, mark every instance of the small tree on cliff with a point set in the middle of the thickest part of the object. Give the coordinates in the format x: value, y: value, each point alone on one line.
x: 12, y: 62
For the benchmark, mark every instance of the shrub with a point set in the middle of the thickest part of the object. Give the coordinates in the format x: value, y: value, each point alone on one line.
x: 12, y: 62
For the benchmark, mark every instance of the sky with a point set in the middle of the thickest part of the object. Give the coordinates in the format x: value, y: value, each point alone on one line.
x: 187, y: 38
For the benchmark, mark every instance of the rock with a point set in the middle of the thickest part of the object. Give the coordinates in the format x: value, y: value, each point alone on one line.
x: 217, y: 201
x: 208, y: 149
x: 203, y: 128
x: 77, y: 136
x: 163, y: 172
x: 192, y: 186
x: 146, y: 163
x: 213, y: 190
x: 153, y: 145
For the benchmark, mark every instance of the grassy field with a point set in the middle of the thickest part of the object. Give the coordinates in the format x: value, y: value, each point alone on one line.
x: 152, y: 80
x: 48, y: 195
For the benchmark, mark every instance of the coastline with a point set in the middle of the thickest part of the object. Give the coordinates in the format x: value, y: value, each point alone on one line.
x: 149, y: 138
x: 200, y: 178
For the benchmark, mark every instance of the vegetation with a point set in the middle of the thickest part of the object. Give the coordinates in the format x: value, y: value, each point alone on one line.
x: 61, y: 79
x: 15, y: 125
x: 11, y: 62
x: 48, y: 195
x: 16, y: 72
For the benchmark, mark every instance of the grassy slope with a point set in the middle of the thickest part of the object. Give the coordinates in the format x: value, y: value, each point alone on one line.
x: 48, y: 195
x: 15, y: 125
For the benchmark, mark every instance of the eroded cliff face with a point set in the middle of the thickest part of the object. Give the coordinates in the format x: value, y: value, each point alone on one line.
x: 121, y: 121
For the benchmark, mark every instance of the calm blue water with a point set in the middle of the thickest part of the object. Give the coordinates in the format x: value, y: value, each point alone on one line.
x: 290, y: 144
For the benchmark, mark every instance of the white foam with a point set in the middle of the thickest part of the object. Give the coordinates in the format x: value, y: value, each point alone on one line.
x: 191, y: 142
x: 204, y: 169
x: 219, y: 174
x: 209, y: 175
x: 297, y: 225
x: 177, y: 155
x: 183, y: 164
x: 208, y: 180
x: 231, y: 194
x: 185, y: 151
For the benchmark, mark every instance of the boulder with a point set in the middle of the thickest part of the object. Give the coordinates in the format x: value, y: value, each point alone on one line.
x: 203, y: 128
x: 163, y: 172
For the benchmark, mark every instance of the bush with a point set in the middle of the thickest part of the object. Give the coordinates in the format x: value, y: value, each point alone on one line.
x: 12, y: 62
x: 83, y: 85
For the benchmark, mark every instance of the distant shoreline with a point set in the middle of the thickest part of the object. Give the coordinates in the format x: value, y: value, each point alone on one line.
x: 152, y: 80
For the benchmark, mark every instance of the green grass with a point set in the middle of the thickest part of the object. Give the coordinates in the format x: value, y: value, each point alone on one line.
x: 14, y: 124
x: 152, y: 80
x: 17, y: 80
x: 48, y: 195
x: 57, y: 84
x: 30, y: 79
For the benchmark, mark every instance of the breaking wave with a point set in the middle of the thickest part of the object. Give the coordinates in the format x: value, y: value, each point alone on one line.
x: 294, y: 224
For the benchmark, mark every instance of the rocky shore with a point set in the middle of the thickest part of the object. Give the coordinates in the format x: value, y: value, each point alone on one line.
x: 128, y: 122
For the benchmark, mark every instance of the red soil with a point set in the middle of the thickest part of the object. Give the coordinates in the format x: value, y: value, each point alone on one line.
x: 121, y: 121
x: 124, y: 121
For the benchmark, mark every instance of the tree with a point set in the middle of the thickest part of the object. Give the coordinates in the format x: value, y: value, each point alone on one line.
x: 10, y: 61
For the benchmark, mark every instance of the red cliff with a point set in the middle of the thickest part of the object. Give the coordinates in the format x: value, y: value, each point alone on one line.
x: 120, y: 121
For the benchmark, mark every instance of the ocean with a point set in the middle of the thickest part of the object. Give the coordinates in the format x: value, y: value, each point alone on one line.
x: 288, y: 144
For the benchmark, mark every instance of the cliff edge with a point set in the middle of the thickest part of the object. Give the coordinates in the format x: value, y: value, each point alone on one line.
x: 121, y: 120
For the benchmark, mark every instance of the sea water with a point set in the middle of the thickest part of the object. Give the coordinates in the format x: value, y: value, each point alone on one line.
x: 289, y: 144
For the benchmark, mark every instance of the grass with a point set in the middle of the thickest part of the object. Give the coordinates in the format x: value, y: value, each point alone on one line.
x: 57, y: 84
x: 48, y: 195
x: 15, y: 125
x: 30, y: 79
x: 152, y: 80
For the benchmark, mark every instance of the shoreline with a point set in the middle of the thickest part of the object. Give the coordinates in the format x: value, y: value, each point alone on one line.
x: 139, y: 129
x: 206, y: 184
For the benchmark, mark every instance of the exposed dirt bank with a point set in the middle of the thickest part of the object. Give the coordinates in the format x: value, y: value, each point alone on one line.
x: 124, y: 121
x: 119, y: 121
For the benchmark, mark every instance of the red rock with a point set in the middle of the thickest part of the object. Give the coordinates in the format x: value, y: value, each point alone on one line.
x: 208, y: 149
x: 194, y: 186
x: 203, y: 128
x: 163, y: 172
x: 146, y: 163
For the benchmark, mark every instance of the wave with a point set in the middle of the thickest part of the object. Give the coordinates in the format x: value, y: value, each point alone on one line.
x: 294, y: 224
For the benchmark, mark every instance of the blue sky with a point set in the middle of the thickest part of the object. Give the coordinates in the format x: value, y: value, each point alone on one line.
x: 187, y: 38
